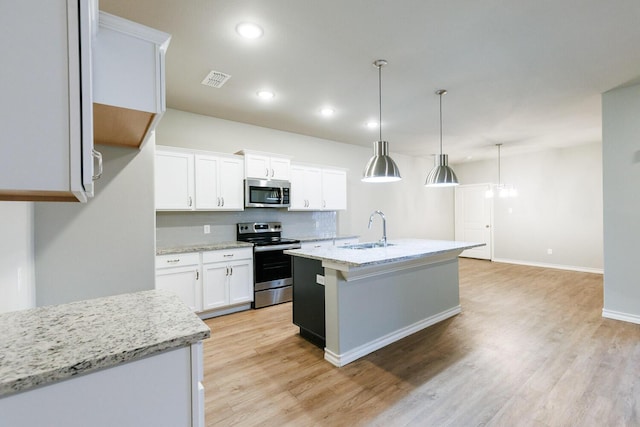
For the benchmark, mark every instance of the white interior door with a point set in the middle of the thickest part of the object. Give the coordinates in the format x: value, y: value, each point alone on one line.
x: 473, y: 219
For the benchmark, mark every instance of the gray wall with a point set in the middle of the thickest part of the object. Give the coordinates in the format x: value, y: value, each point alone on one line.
x: 411, y: 209
x: 559, y: 206
x: 621, y: 168
x: 106, y: 246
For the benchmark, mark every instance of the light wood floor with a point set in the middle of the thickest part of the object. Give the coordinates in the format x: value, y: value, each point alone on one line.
x: 530, y: 348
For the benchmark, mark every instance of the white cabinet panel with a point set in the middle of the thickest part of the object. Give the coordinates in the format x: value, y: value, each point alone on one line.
x: 174, y: 181
x: 241, y: 282
x: 46, y: 102
x: 334, y: 189
x: 182, y: 281
x: 214, y: 285
x: 306, y: 188
x: 230, y: 181
x: 266, y: 166
x: 206, y: 182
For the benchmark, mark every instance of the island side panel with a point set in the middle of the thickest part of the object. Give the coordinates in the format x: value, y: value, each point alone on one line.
x: 368, y: 313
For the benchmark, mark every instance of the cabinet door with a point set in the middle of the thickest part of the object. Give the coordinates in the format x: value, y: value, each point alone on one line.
x: 215, y: 278
x: 46, y: 120
x: 206, y: 182
x: 257, y: 166
x: 279, y: 168
x: 298, y: 189
x: 182, y: 281
x: 231, y: 184
x: 241, y: 282
x: 334, y: 189
x: 174, y: 181
x: 313, y: 185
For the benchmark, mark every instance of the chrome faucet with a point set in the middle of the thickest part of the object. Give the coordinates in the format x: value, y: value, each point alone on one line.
x: 384, y: 226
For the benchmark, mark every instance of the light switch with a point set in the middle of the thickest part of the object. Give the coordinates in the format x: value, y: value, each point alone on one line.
x: 207, y: 229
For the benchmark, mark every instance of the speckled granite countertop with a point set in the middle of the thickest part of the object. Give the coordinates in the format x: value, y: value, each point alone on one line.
x: 52, y: 343
x: 202, y: 247
x: 400, y: 250
x: 318, y: 239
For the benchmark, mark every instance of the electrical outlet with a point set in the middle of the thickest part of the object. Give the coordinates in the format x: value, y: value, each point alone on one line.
x: 207, y: 229
x: 549, y: 251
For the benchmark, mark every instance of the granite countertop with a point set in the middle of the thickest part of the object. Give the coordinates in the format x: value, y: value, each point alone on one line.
x: 203, y: 247
x: 399, y: 250
x: 47, y: 344
x: 318, y: 239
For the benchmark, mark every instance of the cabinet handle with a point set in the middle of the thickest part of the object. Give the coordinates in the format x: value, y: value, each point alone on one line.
x: 324, y: 203
x: 197, y: 275
x: 218, y: 199
x: 227, y: 255
x: 272, y: 173
x: 227, y: 271
x: 98, y: 156
x: 173, y: 261
x: 266, y: 172
x: 231, y: 268
x: 190, y: 201
x: 222, y: 201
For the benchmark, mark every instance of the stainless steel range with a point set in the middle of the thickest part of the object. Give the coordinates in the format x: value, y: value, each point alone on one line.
x: 273, y: 271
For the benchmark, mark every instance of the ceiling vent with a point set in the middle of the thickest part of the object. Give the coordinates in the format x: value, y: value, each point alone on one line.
x: 216, y: 79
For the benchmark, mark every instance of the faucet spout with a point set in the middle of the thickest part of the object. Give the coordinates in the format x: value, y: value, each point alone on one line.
x: 384, y: 225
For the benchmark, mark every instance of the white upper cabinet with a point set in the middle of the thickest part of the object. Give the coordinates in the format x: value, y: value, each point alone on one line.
x: 315, y: 188
x: 129, y: 80
x: 198, y: 180
x: 46, y: 103
x: 219, y: 182
x: 174, y: 180
x: 306, y: 188
x: 266, y: 166
x: 334, y: 189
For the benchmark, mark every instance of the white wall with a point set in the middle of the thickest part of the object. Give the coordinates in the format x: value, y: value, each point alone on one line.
x: 17, y: 286
x: 621, y: 167
x: 559, y: 206
x: 106, y: 246
x: 411, y: 209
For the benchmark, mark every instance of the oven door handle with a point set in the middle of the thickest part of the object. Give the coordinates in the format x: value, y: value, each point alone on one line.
x: 282, y: 247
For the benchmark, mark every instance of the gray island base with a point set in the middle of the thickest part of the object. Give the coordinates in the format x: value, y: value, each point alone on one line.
x: 374, y: 297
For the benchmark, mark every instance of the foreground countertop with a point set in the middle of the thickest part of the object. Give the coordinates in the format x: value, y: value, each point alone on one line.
x: 400, y: 250
x: 203, y: 247
x: 52, y: 343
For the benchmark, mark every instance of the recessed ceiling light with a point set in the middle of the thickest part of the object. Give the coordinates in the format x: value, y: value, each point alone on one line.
x: 371, y: 125
x: 327, y: 111
x: 249, y: 30
x: 265, y: 94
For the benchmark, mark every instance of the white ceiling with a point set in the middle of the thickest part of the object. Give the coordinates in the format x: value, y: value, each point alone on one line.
x: 525, y: 73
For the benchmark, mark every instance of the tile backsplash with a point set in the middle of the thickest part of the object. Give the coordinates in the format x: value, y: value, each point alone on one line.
x: 187, y: 228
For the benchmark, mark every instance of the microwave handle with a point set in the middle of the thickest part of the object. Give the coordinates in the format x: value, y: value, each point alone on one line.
x: 281, y: 195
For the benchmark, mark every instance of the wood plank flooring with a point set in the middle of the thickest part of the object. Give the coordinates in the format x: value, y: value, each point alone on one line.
x: 530, y: 348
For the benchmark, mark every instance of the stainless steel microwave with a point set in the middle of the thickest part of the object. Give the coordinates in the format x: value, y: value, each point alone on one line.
x: 266, y: 193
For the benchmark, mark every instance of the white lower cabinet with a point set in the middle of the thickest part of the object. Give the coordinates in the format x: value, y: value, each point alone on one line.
x: 227, y: 278
x: 180, y: 274
x: 209, y: 280
x: 161, y: 390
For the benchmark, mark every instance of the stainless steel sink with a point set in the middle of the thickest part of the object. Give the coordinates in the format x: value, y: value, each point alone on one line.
x: 368, y: 245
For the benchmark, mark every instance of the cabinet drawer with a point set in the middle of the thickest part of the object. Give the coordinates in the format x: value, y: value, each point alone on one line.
x: 177, y: 260
x: 227, y: 255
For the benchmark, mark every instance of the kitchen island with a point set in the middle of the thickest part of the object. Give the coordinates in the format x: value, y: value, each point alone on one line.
x: 376, y: 296
x: 131, y: 359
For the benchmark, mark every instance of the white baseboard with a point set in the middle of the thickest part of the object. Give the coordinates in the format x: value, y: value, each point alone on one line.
x: 362, y: 350
x: 617, y: 315
x: 222, y: 311
x: 556, y: 266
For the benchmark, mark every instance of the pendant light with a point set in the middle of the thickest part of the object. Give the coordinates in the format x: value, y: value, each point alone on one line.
x: 503, y: 190
x: 441, y: 175
x: 381, y: 167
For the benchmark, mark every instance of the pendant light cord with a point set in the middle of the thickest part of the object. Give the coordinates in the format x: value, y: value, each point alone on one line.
x: 441, y: 123
x: 380, y: 101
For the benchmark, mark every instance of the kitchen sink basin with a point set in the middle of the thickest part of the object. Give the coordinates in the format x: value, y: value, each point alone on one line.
x: 368, y: 245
